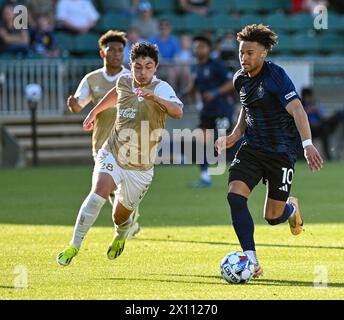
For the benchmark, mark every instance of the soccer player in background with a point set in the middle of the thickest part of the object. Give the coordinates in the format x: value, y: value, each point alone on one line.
x: 213, y: 81
x: 272, y: 119
x: 125, y: 163
x: 93, y: 88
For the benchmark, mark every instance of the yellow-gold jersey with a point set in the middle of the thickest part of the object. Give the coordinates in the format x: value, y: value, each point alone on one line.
x: 93, y: 88
x: 139, y: 123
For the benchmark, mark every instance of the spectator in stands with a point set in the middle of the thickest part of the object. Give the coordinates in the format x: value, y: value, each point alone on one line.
x: 43, y: 41
x: 146, y: 24
x: 321, y: 126
x: 12, y: 40
x: 308, y: 6
x: 169, y: 47
x: 133, y: 36
x: 226, y: 50
x: 126, y: 7
x: 200, y: 7
x: 183, y: 61
x: 76, y: 16
x: 38, y: 8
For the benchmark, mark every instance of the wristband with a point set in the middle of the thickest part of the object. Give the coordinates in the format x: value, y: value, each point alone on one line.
x: 306, y: 143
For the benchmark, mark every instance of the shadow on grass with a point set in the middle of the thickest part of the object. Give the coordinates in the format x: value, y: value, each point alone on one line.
x: 236, y: 244
x: 221, y: 282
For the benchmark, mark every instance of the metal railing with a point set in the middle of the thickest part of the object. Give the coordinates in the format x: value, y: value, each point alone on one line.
x: 60, y: 77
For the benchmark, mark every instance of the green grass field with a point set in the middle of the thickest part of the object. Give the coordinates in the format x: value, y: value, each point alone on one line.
x: 186, y: 232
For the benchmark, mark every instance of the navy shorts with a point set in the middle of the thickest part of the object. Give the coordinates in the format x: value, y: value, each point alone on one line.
x: 276, y: 170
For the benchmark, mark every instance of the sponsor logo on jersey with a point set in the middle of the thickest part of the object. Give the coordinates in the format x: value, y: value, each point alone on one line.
x: 129, y: 113
x: 289, y: 95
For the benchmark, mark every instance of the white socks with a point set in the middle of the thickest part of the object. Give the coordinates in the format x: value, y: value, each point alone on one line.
x: 122, y: 230
x: 88, y: 214
x: 252, y: 256
x: 205, y: 176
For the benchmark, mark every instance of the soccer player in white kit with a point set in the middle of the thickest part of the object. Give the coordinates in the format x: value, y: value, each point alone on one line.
x: 125, y: 162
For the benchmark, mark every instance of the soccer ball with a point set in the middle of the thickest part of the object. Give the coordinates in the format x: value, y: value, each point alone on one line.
x: 236, y: 267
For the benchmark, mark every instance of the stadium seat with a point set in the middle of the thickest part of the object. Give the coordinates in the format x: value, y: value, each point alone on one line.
x: 247, y: 6
x: 304, y: 44
x: 300, y: 22
x: 272, y: 6
x: 86, y: 43
x: 112, y: 21
x: 335, y: 22
x: 225, y: 22
x: 165, y: 5
x: 222, y: 6
x: 65, y: 41
x: 250, y: 19
x: 284, y: 45
x: 278, y: 22
x: 194, y: 23
x: 331, y: 43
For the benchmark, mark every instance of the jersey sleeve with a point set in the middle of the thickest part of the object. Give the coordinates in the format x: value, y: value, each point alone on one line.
x: 223, y: 73
x: 283, y: 87
x: 83, y: 93
x: 165, y: 91
x: 236, y: 80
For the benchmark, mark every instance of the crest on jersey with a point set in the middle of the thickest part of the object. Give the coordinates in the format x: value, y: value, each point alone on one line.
x: 260, y: 90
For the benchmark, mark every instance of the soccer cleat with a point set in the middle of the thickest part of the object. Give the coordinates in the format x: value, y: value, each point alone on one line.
x: 115, y: 249
x: 295, y: 222
x: 65, y: 257
x: 258, y: 270
x: 202, y: 184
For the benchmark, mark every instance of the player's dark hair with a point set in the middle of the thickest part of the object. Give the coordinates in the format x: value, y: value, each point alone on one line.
x: 258, y: 33
x: 203, y: 38
x: 144, y: 49
x: 112, y: 36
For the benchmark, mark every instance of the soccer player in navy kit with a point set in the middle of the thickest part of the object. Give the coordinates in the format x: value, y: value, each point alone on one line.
x: 213, y: 81
x: 272, y: 119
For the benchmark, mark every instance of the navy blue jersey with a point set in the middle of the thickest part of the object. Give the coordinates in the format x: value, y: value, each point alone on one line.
x: 210, y: 76
x: 264, y: 98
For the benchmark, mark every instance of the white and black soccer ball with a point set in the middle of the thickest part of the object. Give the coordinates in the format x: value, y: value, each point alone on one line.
x: 236, y: 267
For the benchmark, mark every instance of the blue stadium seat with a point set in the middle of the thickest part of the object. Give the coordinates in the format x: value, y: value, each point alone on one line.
x: 194, y: 23
x: 164, y: 5
x: 304, y: 44
x: 331, y: 43
x: 300, y: 22
x: 65, y: 41
x: 272, y: 6
x: 86, y: 43
x: 335, y: 22
x: 222, y: 6
x: 246, y: 6
x: 250, y: 19
x: 278, y: 22
x: 225, y: 22
x: 112, y: 21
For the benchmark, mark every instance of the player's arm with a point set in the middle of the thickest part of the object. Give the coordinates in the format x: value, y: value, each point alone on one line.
x: 228, y: 141
x: 108, y: 101
x: 171, y: 108
x: 296, y: 110
x: 81, y: 98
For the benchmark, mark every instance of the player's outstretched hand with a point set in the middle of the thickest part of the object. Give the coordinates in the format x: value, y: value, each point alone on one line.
x: 145, y: 94
x: 313, y: 158
x: 89, y: 122
x: 224, y: 142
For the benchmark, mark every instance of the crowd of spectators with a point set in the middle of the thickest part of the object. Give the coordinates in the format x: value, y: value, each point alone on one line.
x: 46, y: 17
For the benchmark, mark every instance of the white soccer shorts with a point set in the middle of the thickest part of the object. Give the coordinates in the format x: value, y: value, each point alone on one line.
x: 132, y: 185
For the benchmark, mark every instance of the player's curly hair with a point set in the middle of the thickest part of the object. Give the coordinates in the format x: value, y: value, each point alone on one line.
x: 258, y: 33
x: 112, y: 36
x: 144, y: 49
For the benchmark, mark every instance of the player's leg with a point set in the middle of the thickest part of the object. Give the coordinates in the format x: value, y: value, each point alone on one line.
x: 244, y: 174
x: 129, y: 194
x: 279, y: 207
x: 205, y: 179
x: 87, y: 216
